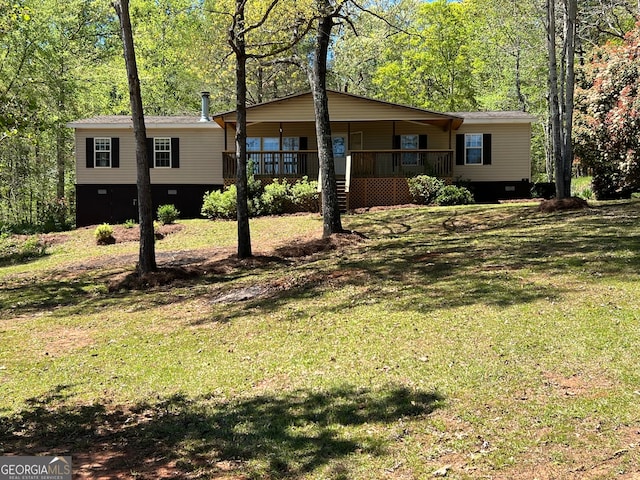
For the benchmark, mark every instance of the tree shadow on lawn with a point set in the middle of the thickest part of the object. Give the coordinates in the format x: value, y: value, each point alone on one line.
x: 473, y: 258
x: 275, y: 436
x: 85, y: 293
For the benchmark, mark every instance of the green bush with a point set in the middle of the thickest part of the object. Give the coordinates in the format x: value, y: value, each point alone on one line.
x: 220, y: 204
x: 275, y: 199
x: 104, y: 234
x: 305, y: 196
x: 424, y: 189
x: 453, y: 195
x: 254, y: 186
x: 129, y: 223
x: 586, y: 193
x: 55, y: 216
x: 167, y: 214
x: 15, y: 250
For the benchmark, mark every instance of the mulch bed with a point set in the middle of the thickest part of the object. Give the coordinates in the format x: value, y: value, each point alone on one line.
x: 558, y: 204
x: 183, y: 267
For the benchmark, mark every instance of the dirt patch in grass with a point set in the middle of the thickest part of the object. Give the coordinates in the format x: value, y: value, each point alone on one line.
x: 577, y: 385
x: 384, y: 208
x: 64, y: 340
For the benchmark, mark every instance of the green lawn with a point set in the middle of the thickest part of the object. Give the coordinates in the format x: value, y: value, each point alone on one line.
x: 485, y: 341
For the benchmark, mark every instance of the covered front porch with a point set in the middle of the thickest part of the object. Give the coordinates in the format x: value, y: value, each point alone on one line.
x: 376, y: 145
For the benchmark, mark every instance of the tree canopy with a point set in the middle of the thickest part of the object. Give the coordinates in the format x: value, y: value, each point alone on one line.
x: 60, y: 61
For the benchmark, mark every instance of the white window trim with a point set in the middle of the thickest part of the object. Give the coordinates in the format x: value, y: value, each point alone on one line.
x: 95, y: 152
x: 155, y: 150
x: 481, y: 147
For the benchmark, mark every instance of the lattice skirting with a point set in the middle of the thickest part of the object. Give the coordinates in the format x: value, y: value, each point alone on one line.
x: 371, y: 192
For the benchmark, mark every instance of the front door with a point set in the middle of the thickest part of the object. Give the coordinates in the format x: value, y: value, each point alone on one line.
x: 339, y: 142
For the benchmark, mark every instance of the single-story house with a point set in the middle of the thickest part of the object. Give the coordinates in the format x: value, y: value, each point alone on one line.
x: 377, y: 145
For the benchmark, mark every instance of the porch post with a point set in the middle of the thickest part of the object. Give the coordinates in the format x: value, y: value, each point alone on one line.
x: 450, y: 128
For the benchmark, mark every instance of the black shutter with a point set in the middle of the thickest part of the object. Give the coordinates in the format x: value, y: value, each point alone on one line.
x: 90, y: 153
x: 396, y: 142
x: 486, y: 149
x: 115, y: 152
x: 304, y: 143
x: 460, y: 149
x: 175, y: 153
x: 150, y: 159
x: 422, y: 142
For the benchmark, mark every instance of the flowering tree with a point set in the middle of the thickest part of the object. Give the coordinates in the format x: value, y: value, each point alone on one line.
x: 608, y: 122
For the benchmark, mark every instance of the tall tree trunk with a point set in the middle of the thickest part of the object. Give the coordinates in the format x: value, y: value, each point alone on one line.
x: 60, y: 161
x: 561, y: 96
x: 61, y: 141
x: 239, y: 46
x: 554, y: 107
x: 318, y: 81
x: 147, y: 256
x: 521, y: 98
x: 571, y: 8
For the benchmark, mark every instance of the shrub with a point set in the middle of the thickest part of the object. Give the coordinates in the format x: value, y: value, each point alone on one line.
x: 275, y: 199
x: 424, y: 189
x: 305, y: 196
x: 254, y: 187
x: 220, y: 204
x: 13, y: 250
x: 453, y: 195
x: 129, y: 223
x: 167, y: 214
x: 55, y: 216
x: 104, y: 234
x: 586, y: 193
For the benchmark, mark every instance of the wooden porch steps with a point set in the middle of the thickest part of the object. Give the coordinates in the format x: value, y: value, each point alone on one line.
x: 342, y: 194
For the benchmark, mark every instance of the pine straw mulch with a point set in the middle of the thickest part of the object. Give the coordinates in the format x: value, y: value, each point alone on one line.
x: 179, y: 267
x: 558, y: 204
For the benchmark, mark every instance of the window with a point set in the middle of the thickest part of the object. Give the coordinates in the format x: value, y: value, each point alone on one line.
x: 162, y: 152
x: 253, y: 157
x: 473, y: 149
x: 269, y: 159
x: 271, y: 145
x: 409, y: 142
x: 102, y: 152
x: 290, y: 144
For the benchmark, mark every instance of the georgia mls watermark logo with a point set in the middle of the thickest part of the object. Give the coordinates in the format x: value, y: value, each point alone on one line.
x: 35, y: 468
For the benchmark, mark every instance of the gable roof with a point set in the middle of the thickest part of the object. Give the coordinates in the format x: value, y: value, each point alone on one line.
x: 343, y: 107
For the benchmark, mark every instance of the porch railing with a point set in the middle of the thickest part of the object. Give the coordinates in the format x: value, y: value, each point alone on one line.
x: 401, y: 163
x: 281, y: 163
x: 363, y: 164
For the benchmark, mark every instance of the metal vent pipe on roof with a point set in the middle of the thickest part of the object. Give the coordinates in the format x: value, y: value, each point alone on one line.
x: 204, y: 115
